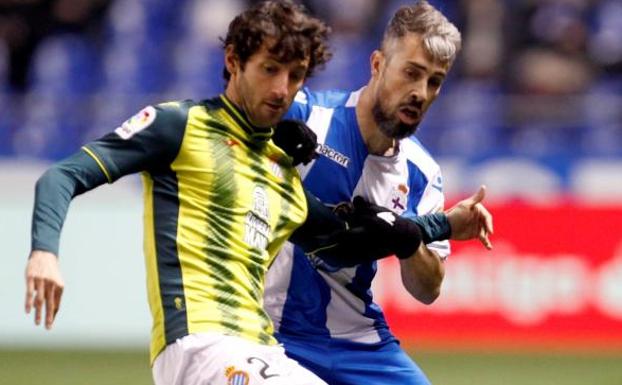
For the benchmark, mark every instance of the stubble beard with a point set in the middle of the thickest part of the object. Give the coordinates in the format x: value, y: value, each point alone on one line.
x: 390, y: 126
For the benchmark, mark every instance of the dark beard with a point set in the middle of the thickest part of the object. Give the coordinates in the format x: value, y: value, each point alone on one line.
x: 392, y: 128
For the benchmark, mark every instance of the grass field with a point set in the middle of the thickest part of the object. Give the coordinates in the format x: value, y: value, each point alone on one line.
x: 67, y: 367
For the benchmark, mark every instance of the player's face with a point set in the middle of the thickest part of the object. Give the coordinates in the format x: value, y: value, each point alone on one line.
x: 266, y: 87
x: 406, y: 81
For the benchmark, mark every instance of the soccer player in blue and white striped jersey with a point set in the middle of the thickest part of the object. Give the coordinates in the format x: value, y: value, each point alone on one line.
x: 325, y: 314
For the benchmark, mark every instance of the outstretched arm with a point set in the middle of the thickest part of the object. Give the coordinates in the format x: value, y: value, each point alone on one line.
x: 423, y: 273
x: 53, y: 193
x: 151, y: 137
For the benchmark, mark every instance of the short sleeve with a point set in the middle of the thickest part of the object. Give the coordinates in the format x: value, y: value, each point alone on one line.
x: 430, y: 200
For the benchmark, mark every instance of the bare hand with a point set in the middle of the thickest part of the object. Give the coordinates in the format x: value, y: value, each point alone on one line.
x: 44, y: 285
x: 469, y: 219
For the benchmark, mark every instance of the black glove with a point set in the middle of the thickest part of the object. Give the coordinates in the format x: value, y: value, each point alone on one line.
x: 388, y: 232
x: 297, y: 140
x: 355, y: 233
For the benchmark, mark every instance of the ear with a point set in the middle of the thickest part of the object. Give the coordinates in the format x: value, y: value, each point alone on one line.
x: 376, y: 62
x: 232, y: 62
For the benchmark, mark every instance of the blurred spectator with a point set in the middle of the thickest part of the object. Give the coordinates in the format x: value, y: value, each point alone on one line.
x: 551, y: 56
x: 483, y: 50
x: 24, y: 23
x: 605, y: 45
x: 537, y: 79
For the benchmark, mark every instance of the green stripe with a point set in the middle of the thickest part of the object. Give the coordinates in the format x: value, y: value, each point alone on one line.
x: 258, y: 133
x: 226, y: 193
x: 165, y: 215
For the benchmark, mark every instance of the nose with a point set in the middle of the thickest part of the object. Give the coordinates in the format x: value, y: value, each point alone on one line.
x: 419, y: 91
x: 280, y: 85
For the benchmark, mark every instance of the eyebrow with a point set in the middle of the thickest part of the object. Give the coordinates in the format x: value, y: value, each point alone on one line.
x: 425, y: 69
x: 276, y: 60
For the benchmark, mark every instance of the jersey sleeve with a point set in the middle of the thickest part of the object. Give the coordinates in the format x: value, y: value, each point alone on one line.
x: 148, y: 140
x: 300, y: 108
x: 431, y: 199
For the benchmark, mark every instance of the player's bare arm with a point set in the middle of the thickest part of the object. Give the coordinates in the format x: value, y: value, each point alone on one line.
x: 422, y: 274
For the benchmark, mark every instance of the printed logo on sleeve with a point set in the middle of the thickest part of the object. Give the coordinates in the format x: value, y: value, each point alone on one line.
x: 438, y: 183
x: 136, y: 123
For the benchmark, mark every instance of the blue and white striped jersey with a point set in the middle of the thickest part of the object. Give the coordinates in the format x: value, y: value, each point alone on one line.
x: 308, y: 298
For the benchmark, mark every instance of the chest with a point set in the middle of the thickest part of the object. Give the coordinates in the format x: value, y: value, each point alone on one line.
x: 241, y: 188
x: 344, y: 170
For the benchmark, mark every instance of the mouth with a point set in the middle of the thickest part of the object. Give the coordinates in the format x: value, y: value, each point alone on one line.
x: 275, y: 106
x: 409, y: 115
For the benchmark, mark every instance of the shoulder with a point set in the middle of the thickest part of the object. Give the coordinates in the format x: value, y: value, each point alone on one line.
x: 326, y: 99
x: 416, y: 154
x: 174, y: 111
x: 306, y: 101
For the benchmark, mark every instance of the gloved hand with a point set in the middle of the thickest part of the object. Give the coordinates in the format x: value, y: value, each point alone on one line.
x: 387, y: 230
x: 355, y: 233
x: 297, y: 140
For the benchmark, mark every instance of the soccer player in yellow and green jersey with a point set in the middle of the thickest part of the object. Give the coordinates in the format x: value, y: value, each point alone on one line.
x: 220, y: 200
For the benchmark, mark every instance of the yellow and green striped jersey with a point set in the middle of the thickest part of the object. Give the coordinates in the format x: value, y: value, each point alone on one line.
x: 220, y: 201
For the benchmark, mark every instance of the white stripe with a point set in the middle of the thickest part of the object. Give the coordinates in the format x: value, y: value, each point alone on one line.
x: 300, y: 97
x: 354, y: 98
x: 344, y: 314
x: 416, y: 154
x: 278, y: 279
x: 319, y: 122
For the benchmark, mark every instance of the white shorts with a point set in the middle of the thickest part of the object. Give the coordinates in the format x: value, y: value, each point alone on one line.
x: 217, y: 359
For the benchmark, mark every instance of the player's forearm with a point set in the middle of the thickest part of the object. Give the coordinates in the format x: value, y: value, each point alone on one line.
x: 422, y: 275
x: 53, y: 193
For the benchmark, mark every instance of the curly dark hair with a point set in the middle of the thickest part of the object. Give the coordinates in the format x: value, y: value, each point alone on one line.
x: 296, y: 34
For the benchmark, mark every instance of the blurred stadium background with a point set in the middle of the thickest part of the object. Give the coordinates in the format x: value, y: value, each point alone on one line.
x: 533, y: 109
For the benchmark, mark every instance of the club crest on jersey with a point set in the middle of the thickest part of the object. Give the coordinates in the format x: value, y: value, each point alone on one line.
x: 333, y: 155
x: 257, y: 230
x: 136, y: 123
x: 236, y: 377
x: 399, y: 198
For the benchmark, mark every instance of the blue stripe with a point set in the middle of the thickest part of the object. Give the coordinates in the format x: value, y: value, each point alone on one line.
x: 307, y: 299
x: 361, y: 288
x: 328, y: 99
x: 345, y: 138
x: 417, y: 182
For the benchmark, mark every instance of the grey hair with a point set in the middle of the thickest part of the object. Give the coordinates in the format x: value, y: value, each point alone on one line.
x: 441, y: 38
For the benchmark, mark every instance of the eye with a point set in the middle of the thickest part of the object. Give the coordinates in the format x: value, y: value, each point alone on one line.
x: 414, y: 73
x: 270, y: 69
x: 435, y: 82
x: 297, y: 76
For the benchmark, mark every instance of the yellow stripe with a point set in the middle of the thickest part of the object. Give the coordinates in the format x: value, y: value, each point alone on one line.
x: 235, y: 111
x: 158, y: 340
x: 196, y: 188
x: 99, y: 163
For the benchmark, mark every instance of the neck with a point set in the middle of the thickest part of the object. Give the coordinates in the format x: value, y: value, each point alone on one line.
x: 377, y: 143
x: 232, y: 95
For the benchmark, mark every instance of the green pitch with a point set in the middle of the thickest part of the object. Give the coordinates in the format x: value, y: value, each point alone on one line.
x: 66, y: 367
